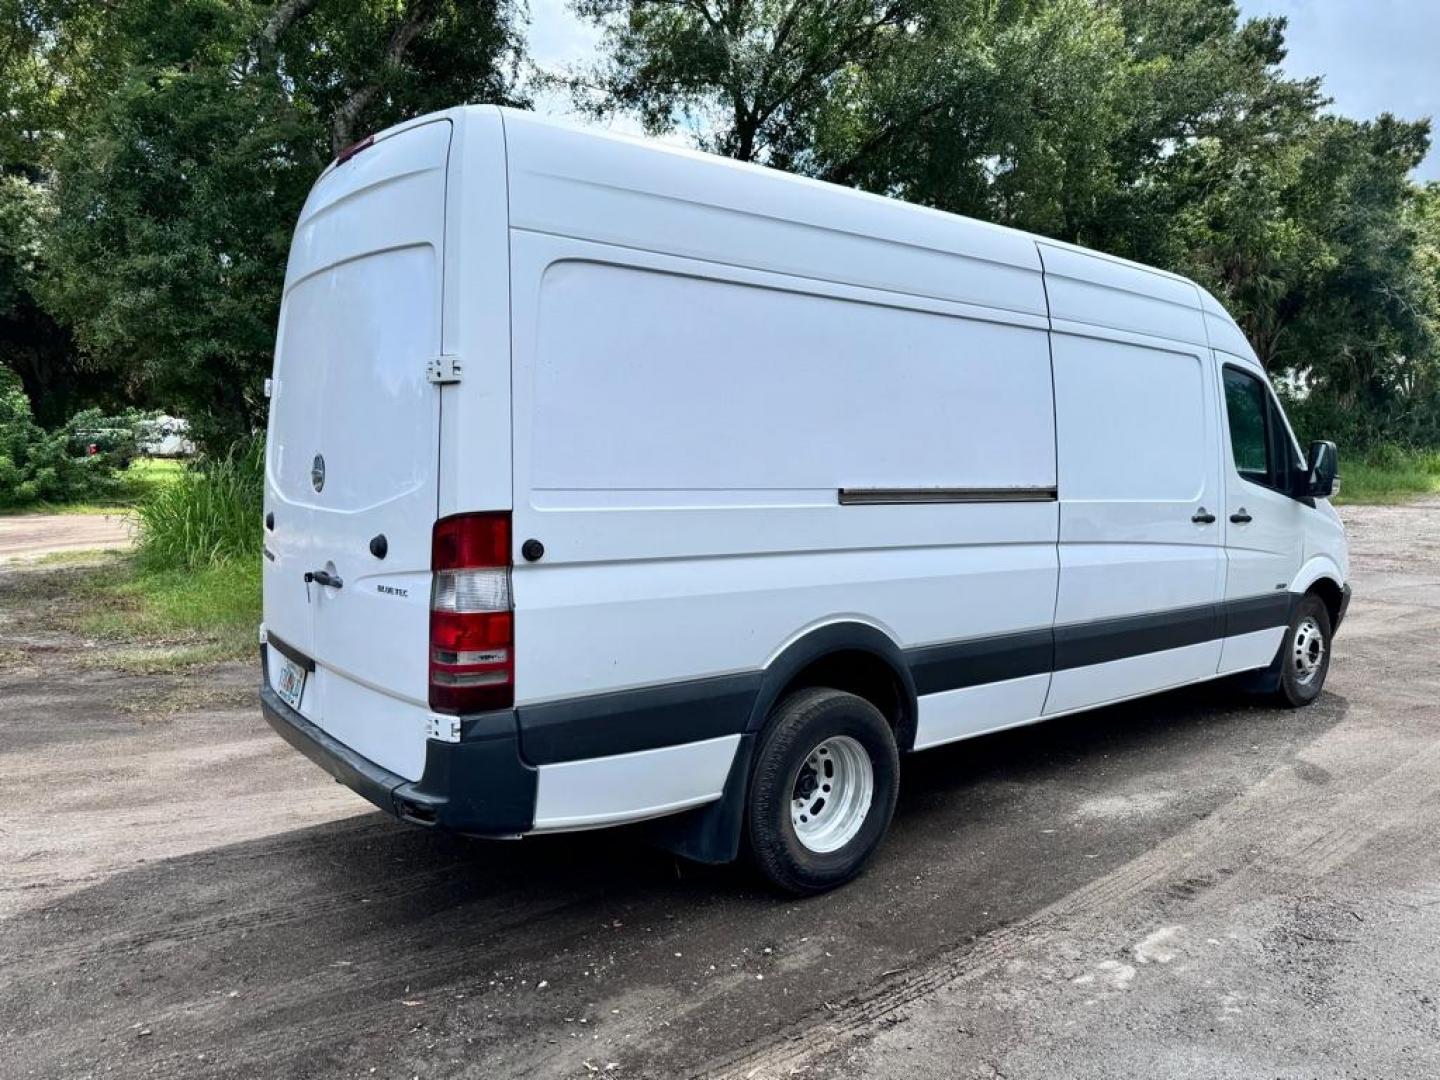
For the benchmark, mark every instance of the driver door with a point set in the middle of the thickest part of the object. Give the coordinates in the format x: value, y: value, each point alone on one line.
x: 1263, y: 524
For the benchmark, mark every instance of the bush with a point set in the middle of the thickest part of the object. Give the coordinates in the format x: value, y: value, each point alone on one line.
x: 43, y: 466
x: 208, y: 515
x: 115, y: 437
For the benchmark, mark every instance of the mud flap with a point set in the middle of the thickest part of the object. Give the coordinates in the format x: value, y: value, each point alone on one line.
x: 711, y: 833
x: 1265, y: 680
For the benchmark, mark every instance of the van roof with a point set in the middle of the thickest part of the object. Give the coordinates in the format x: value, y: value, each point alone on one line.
x: 563, y: 163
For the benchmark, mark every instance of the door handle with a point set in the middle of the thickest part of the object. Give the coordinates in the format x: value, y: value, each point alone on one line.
x: 1240, y: 517
x: 1203, y: 517
x: 320, y: 577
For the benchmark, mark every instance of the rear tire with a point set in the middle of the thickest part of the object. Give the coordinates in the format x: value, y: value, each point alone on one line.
x: 823, y: 790
x: 1305, y: 653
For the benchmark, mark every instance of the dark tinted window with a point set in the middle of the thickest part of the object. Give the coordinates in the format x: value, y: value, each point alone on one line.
x: 1285, y: 454
x: 1246, y: 404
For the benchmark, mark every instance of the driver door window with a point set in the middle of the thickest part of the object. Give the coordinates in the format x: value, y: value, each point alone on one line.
x: 1247, y: 406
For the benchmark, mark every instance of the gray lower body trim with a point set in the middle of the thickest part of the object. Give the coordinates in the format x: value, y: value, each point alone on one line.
x: 650, y: 717
x: 643, y: 719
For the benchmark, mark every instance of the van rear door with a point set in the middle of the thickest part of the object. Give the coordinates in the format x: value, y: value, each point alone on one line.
x: 353, y: 451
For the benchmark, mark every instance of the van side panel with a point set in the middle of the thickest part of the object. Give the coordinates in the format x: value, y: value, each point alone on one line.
x: 1087, y: 287
x: 1138, y: 441
x: 1220, y: 328
x: 657, y: 198
x: 654, y: 381
x: 683, y: 432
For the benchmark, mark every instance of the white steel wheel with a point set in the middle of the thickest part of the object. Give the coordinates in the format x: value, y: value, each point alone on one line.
x: 1307, y: 645
x: 823, y: 782
x: 831, y: 796
x: 1305, y: 654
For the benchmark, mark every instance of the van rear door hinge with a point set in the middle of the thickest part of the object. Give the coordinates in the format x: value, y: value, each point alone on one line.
x: 443, y: 369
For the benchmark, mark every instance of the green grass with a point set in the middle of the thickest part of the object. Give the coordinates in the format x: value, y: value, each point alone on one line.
x: 206, y: 515
x: 156, y: 620
x: 1389, y: 475
x: 143, y: 478
x: 190, y: 593
x: 215, y: 605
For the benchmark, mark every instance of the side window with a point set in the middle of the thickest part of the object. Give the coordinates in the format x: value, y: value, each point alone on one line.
x: 1246, y: 404
x: 1286, y: 456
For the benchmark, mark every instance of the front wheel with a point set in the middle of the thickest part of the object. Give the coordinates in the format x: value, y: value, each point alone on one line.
x: 1305, y: 654
x: 823, y: 791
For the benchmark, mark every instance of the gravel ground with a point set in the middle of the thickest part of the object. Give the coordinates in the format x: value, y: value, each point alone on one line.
x: 1194, y: 885
x: 31, y: 535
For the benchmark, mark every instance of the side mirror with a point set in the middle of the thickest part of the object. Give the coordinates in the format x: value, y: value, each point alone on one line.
x: 1323, y: 479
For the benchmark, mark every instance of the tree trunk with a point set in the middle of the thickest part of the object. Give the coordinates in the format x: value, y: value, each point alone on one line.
x: 342, y: 127
x: 285, y: 15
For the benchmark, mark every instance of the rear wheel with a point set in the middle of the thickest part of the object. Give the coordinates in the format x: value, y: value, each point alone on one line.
x: 1305, y: 654
x: 823, y: 791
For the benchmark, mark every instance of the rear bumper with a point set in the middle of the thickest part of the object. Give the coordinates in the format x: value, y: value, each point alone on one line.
x: 479, y: 785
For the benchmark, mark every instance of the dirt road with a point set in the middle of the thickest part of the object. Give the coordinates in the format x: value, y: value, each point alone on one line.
x: 29, y: 535
x: 1193, y: 885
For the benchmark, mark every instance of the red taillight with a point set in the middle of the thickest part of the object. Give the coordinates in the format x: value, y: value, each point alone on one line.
x: 472, y: 628
x: 353, y: 149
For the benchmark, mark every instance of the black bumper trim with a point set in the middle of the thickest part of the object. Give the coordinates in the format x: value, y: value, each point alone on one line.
x: 479, y: 786
x: 1265, y: 612
x: 359, y: 774
x: 625, y: 721
x: 285, y: 649
x: 1344, y: 607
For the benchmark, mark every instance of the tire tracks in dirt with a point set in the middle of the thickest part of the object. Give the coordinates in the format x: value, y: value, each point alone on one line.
x: 1223, y: 850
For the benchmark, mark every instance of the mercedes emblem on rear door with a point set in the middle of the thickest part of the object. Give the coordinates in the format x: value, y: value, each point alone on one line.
x: 317, y: 473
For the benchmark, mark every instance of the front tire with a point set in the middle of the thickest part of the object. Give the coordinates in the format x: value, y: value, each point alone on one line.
x: 823, y: 791
x: 1305, y: 653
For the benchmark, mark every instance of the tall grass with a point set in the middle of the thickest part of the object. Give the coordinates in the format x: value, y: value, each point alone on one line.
x: 209, y: 515
x: 1389, y: 474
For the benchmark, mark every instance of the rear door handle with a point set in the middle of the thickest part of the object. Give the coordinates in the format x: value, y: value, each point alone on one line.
x: 321, y: 577
x: 1240, y: 517
x: 1203, y: 517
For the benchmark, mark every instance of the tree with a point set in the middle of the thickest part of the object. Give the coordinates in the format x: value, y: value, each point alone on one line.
x: 38, y: 100
x: 174, y: 190
x: 748, y: 77
x: 1162, y: 130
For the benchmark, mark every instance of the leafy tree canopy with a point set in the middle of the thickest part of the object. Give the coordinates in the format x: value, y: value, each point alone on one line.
x: 165, y: 149
x: 154, y: 156
x: 1163, y: 130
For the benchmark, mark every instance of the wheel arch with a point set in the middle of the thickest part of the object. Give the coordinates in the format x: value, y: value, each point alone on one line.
x: 859, y: 655
x: 1322, y: 577
x: 853, y: 656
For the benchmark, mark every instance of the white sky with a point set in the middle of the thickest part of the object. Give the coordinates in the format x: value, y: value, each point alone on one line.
x: 1375, y: 55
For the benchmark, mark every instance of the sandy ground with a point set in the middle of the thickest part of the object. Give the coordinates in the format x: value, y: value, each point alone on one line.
x: 1193, y: 886
x: 30, y: 535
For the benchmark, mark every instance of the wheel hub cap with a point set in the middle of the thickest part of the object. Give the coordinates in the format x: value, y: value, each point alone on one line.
x: 831, y: 795
x: 1308, y: 648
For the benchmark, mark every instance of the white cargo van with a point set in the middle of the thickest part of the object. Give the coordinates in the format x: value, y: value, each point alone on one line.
x: 611, y: 482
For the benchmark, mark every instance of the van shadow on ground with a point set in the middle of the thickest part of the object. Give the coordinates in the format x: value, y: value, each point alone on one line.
x: 359, y: 943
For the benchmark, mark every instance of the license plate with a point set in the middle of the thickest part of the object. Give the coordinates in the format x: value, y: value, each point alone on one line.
x: 290, y: 683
